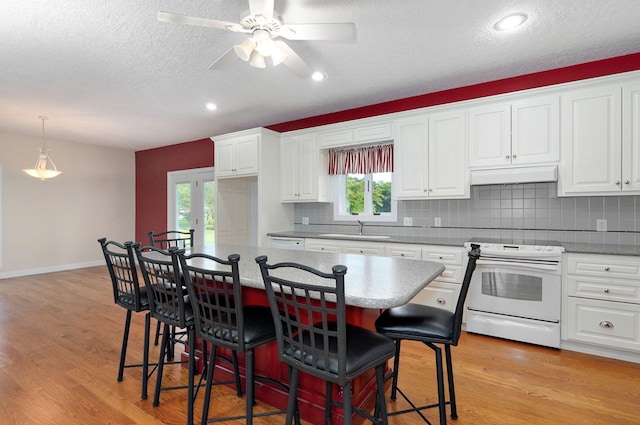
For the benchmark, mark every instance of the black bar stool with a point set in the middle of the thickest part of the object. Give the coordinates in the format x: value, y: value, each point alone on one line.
x: 314, y: 337
x: 222, y: 319
x: 128, y: 294
x: 433, y: 326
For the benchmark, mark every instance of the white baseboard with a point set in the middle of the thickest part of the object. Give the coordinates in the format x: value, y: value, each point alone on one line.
x: 51, y: 269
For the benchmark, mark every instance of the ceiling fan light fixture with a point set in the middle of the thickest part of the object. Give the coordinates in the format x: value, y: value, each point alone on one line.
x: 245, y: 48
x: 257, y: 60
x: 278, y: 55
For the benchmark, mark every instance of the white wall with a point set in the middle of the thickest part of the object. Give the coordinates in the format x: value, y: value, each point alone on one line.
x: 54, y: 225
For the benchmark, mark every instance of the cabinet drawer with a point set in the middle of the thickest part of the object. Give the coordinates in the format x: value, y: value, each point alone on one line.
x: 452, y: 274
x: 322, y: 245
x: 607, y: 266
x: 439, y: 295
x: 604, y: 289
x: 412, y: 252
x: 372, y: 133
x: 363, y: 248
x: 605, y: 323
x: 444, y: 255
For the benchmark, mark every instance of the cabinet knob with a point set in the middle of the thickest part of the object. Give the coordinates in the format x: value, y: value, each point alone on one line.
x: 513, y: 156
x: 627, y: 182
x: 606, y: 324
x: 507, y: 156
x: 430, y: 189
x: 607, y: 268
x: 442, y: 301
x: 606, y: 291
x: 617, y: 182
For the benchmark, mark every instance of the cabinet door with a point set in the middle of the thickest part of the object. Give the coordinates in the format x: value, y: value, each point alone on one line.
x: 307, y: 169
x: 631, y: 138
x: 224, y: 159
x: 447, y: 155
x: 247, y: 151
x: 591, y: 140
x: 490, y: 136
x: 535, y: 130
x: 289, y: 169
x: 410, y: 152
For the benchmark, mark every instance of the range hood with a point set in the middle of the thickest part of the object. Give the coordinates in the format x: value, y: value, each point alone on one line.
x: 537, y: 174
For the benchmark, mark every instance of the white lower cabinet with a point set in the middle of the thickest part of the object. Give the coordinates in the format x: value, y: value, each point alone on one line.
x: 602, y: 302
x: 443, y: 292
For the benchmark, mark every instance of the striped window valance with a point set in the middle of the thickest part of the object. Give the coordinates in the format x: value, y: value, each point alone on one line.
x: 362, y: 160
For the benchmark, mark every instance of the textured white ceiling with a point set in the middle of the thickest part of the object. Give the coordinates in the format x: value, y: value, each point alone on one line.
x: 107, y: 72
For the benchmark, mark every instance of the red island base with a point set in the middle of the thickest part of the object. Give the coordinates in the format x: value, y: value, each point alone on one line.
x: 311, y: 390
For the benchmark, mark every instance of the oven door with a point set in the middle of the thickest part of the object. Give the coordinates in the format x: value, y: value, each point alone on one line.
x: 516, y: 289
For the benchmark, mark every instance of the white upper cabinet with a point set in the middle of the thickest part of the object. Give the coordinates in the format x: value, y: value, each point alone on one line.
x: 377, y: 132
x: 490, y: 135
x: 301, y: 178
x: 631, y: 137
x: 430, y: 158
x: 600, y: 141
x: 524, y: 132
x: 237, y: 156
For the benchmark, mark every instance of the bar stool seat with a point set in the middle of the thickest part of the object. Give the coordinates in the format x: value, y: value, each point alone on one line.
x: 431, y: 326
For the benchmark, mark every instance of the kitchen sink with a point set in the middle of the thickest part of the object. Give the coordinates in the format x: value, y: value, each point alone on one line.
x: 347, y: 236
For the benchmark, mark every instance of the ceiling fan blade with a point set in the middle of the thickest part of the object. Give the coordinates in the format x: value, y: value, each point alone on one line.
x: 262, y: 7
x: 200, y: 22
x: 336, y: 31
x: 293, y: 61
x: 224, y: 61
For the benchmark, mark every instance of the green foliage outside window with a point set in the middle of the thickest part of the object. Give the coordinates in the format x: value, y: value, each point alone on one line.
x: 380, y: 197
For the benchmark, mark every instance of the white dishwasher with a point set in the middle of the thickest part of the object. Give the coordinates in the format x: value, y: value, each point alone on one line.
x: 286, y: 243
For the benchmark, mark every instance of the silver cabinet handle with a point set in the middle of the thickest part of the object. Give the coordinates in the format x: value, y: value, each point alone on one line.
x: 441, y: 301
x: 627, y: 182
x: 507, y: 156
x: 617, y: 182
x: 607, y: 268
x: 606, y: 324
x: 430, y: 190
x: 513, y: 156
x: 606, y: 291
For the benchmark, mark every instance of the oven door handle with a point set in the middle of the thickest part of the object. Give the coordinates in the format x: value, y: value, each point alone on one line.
x: 518, y: 264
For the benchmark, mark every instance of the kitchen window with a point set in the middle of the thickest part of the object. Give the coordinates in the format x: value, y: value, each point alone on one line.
x: 362, y: 182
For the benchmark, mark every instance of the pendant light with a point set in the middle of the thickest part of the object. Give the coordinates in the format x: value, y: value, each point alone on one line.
x: 44, y: 168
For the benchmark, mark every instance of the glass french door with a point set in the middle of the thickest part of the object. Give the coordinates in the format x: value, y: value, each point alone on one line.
x: 191, y: 203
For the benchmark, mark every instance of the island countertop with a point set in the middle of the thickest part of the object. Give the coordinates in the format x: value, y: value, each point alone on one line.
x: 370, y: 282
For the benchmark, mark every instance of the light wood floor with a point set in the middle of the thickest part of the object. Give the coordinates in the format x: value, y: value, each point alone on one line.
x: 60, y: 337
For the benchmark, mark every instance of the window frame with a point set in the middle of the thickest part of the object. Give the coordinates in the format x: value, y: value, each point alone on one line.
x: 338, y: 196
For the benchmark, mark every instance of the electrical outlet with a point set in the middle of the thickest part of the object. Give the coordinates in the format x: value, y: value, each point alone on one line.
x: 408, y: 221
x: 601, y: 225
x: 437, y: 222
x: 305, y: 220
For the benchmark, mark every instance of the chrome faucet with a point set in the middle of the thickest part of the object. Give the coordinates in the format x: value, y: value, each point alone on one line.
x: 361, y: 224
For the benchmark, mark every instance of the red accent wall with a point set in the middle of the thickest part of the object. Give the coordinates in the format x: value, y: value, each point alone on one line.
x: 529, y: 81
x: 151, y: 180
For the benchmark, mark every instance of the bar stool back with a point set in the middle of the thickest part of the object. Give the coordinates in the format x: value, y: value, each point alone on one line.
x: 314, y: 338
x: 128, y: 294
x: 430, y: 325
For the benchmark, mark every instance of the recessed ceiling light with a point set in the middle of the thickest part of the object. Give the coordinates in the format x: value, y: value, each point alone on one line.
x: 318, y: 76
x: 211, y: 106
x: 510, y: 22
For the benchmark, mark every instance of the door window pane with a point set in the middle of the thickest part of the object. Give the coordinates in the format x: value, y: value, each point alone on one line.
x: 209, y: 211
x: 183, y: 206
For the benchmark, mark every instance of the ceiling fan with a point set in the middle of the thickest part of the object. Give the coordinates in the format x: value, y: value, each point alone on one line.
x: 264, y: 27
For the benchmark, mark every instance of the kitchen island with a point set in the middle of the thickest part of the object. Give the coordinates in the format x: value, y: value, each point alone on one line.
x: 371, y: 284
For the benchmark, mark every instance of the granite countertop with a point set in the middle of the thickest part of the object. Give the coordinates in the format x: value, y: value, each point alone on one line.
x: 370, y: 282
x: 570, y: 247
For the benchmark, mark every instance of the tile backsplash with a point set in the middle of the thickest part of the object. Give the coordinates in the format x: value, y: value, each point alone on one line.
x: 518, y: 212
